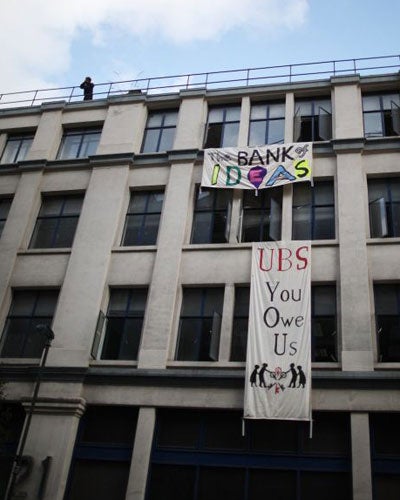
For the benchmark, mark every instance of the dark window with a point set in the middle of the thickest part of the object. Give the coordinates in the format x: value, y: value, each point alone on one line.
x: 57, y: 220
x: 323, y: 314
x: 387, y: 313
x: 124, y: 323
x: 102, y: 455
x: 313, y: 211
x: 20, y: 337
x: 313, y: 120
x: 17, y: 148
x: 381, y: 115
x: 385, y: 455
x: 143, y: 218
x: 211, y: 216
x: 240, y: 324
x: 199, y: 325
x: 262, y: 215
x: 384, y: 207
x: 11, y: 421
x: 5, y: 204
x: 275, y: 459
x: 222, y: 127
x: 267, y: 124
x: 160, y: 131
x: 79, y: 143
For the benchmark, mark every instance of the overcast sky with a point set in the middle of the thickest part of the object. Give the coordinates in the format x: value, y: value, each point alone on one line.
x: 55, y: 43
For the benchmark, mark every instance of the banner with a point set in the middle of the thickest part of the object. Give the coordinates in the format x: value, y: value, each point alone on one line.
x: 257, y: 168
x: 278, y: 366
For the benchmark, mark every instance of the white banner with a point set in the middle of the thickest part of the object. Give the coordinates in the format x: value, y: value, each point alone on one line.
x: 257, y: 168
x: 278, y: 367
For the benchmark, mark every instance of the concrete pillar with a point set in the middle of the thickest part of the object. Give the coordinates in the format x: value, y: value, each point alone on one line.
x: 355, y: 318
x: 123, y: 129
x: 47, y: 139
x: 227, y: 323
x: 289, y: 117
x: 162, y: 294
x: 141, y: 454
x: 347, y: 108
x: 51, y: 434
x: 244, y: 122
x: 361, y: 457
x: 192, y: 118
x: 82, y: 291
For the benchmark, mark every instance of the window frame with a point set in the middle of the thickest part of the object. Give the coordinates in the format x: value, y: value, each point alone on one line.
x: 385, y: 351
x: 314, y: 319
x: 314, y: 118
x: 161, y: 129
x: 267, y: 122
x: 25, y: 143
x: 4, y: 212
x: 84, y: 133
x: 385, y: 114
x: 385, y: 208
x: 239, y: 338
x: 223, y: 124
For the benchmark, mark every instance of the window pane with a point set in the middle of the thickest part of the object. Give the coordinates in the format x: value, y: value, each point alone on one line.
x: 72, y: 205
x: 232, y: 113
x: 326, y: 485
x: 112, y: 339
x: 371, y: 103
x: 202, y: 228
x: 43, y: 235
x: 118, y: 301
x: 257, y: 135
x: 274, y: 484
x: 221, y: 483
x: 170, y: 118
x: 274, y: 436
x: 64, y: 236
x: 385, y: 435
x: 216, y: 115
x: 223, y: 431
x: 155, y: 119
x: 189, y: 339
x: 386, y: 486
x: 230, y: 135
x: 331, y: 434
x: 89, y: 145
x: 178, y: 429
x: 302, y: 223
x: 120, y: 423
x: 46, y: 303
x: 259, y: 112
x: 131, y: 339
x: 214, y: 136
x: 151, y: 141
x: 324, y: 227
x: 10, y: 152
x: 373, y: 125
x: 52, y: 205
x: 5, y: 204
x: 149, y: 230
x: 25, y: 147
x: 70, y: 147
x: 169, y: 482
x: 276, y: 131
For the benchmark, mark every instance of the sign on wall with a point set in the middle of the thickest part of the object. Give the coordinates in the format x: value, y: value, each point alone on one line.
x: 257, y: 168
x: 278, y: 366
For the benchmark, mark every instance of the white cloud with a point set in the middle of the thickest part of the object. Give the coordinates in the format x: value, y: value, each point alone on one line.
x: 36, y: 35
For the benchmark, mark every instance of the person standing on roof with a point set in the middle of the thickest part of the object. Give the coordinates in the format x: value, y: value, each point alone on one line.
x: 87, y: 86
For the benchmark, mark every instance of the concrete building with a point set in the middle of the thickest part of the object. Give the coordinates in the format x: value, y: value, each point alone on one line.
x: 106, y: 237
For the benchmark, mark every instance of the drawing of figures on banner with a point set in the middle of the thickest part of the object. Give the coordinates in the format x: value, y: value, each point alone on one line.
x: 278, y: 364
x: 257, y: 168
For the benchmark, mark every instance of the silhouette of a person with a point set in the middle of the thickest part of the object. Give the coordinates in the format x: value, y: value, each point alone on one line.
x: 294, y: 375
x: 253, y: 376
x: 261, y: 375
x: 302, y: 377
x: 87, y: 87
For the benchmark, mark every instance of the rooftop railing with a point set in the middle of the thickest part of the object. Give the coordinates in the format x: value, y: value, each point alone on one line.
x: 286, y: 73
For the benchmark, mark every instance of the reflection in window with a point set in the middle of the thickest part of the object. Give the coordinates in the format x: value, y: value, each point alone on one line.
x: 200, y: 324
x: 262, y: 215
x: 384, y: 207
x: 160, y: 131
x: 17, y: 148
x: 79, y: 144
x: 211, y: 218
x: 323, y: 317
x: 57, y: 221
x: 222, y: 127
x: 313, y: 120
x: 387, y: 314
x: 143, y: 218
x: 5, y: 204
x: 381, y: 114
x: 313, y: 211
x: 267, y: 124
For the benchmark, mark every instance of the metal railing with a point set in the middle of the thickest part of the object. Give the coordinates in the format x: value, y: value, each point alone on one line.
x: 287, y: 73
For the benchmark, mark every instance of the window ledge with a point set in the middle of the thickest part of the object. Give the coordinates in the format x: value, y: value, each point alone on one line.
x: 244, y: 245
x: 113, y: 362
x: 144, y: 248
x: 383, y: 241
x: 44, y: 251
x: 20, y: 361
x: 387, y: 366
x: 205, y: 364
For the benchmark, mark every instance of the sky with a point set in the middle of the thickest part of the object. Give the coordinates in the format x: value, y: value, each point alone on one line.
x: 56, y: 43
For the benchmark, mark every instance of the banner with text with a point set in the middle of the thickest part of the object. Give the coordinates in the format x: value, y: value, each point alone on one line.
x: 278, y: 366
x: 258, y: 167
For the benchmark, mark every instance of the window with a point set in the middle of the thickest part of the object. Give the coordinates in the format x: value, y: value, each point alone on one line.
x: 102, y: 455
x: 240, y: 323
x: 211, y: 216
x: 262, y: 215
x: 17, y: 148
x: 381, y: 115
x: 143, y: 218
x: 323, y: 326
x: 267, y: 124
x: 57, y: 220
x: 199, y: 325
x: 5, y: 204
x: 384, y: 207
x: 222, y: 127
x: 385, y: 455
x: 124, y: 323
x: 79, y: 143
x: 160, y: 131
x: 313, y: 212
x: 29, y: 308
x: 387, y: 314
x: 202, y: 455
x: 313, y: 120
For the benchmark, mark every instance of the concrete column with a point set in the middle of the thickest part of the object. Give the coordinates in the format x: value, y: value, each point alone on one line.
x: 227, y: 323
x: 287, y: 202
x: 191, y: 123
x: 289, y: 117
x: 162, y: 294
x: 123, y: 129
x: 81, y: 294
x: 244, y: 122
x: 347, y: 108
x: 15, y: 234
x: 3, y: 142
x: 47, y: 139
x: 141, y: 454
x: 51, y: 434
x: 357, y: 353
x: 361, y: 457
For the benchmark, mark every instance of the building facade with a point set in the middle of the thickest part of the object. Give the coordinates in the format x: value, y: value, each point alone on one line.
x: 107, y: 238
